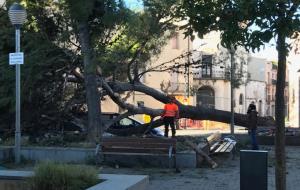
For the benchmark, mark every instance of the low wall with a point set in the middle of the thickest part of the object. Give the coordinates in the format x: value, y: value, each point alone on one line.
x: 112, y: 181
x: 85, y: 155
x: 289, y: 140
x: 6, y: 152
x: 69, y: 155
x: 269, y: 140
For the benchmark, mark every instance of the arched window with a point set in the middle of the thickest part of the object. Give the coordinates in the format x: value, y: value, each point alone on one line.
x: 206, y: 97
x: 241, y: 99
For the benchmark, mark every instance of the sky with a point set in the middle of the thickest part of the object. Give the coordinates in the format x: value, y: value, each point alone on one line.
x: 133, y: 4
x: 269, y: 52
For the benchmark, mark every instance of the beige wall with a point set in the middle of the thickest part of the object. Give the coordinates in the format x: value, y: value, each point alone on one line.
x: 294, y: 92
x: 154, y: 79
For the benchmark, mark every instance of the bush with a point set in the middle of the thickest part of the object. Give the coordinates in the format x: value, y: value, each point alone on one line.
x: 52, y: 176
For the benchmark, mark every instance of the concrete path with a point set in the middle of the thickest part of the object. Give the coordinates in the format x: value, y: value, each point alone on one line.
x: 225, y: 177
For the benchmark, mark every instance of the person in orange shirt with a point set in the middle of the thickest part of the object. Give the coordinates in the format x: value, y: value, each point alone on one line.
x: 169, y: 115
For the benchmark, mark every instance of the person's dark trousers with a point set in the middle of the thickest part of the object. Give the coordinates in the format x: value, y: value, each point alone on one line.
x: 253, y: 139
x: 169, y: 121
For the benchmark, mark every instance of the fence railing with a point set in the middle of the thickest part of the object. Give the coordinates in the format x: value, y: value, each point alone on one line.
x: 214, y: 75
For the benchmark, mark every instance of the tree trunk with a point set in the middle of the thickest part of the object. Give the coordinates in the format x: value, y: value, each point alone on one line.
x: 280, y: 169
x: 232, y: 98
x: 192, y: 112
x: 201, y: 153
x: 92, y: 96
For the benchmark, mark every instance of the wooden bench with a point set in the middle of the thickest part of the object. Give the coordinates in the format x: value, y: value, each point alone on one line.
x: 216, y: 145
x: 139, y: 146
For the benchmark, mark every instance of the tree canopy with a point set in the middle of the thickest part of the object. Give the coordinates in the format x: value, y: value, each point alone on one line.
x: 251, y: 24
x: 120, y: 38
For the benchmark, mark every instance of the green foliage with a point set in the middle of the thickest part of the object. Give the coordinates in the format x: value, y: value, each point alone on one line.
x: 52, y: 176
x: 80, y: 9
x: 41, y: 75
x: 261, y: 20
x: 120, y: 41
x: 252, y: 24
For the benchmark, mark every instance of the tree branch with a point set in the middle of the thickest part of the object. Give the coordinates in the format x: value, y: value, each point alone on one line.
x: 186, y: 111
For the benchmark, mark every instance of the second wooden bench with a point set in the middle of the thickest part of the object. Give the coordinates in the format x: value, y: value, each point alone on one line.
x: 215, y: 144
x: 139, y: 146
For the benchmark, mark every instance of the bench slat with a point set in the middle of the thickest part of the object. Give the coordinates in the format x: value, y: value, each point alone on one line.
x: 133, y: 154
x: 225, y: 147
x: 136, y: 140
x: 213, y: 138
x: 214, y: 146
x: 222, y: 147
x: 135, y: 150
x: 136, y: 145
x: 229, y: 149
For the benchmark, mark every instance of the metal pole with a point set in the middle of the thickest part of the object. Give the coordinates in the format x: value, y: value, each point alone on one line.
x: 188, y: 70
x: 232, y: 51
x: 18, y: 107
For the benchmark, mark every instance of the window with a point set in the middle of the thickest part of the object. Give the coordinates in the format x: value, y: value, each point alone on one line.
x: 206, y: 97
x: 206, y: 68
x: 241, y: 99
x: 126, y: 122
x: 175, y: 41
x: 260, y: 107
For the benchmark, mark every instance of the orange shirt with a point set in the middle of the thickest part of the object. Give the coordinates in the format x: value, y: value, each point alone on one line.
x: 171, y: 110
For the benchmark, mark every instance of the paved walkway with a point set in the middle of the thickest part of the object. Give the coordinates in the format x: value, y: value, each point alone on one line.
x: 225, y: 177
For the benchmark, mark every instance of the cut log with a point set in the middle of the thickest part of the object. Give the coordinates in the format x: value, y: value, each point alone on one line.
x: 201, y: 153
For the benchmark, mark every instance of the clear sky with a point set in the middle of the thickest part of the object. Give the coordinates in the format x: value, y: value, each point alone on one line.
x: 133, y: 4
x: 269, y: 52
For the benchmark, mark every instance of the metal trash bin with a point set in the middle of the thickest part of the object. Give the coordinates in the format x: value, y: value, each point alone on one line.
x: 253, y: 170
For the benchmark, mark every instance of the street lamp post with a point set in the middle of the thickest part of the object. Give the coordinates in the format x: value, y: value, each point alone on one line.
x: 17, y: 16
x: 232, y: 99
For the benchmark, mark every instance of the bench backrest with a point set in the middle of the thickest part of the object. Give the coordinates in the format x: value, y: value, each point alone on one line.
x: 138, y: 145
x: 212, y: 139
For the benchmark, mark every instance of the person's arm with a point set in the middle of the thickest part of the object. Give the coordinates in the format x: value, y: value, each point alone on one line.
x: 177, y: 112
x: 164, y: 111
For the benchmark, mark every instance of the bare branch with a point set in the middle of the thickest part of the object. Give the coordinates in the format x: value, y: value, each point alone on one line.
x: 116, y: 119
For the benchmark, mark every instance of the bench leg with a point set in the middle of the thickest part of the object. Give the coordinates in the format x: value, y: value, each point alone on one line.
x: 233, y: 152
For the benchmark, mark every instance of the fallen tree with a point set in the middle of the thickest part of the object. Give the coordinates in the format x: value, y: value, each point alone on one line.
x: 114, y: 89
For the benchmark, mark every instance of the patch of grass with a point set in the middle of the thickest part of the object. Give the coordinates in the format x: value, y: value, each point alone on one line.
x: 52, y: 176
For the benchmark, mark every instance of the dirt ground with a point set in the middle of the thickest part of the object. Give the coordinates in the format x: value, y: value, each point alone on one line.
x: 225, y: 177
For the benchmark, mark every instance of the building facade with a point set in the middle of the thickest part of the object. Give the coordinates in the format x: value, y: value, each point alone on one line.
x: 208, y: 84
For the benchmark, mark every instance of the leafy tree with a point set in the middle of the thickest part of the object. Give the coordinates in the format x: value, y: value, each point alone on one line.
x: 92, y: 41
x: 41, y: 81
x: 114, y: 38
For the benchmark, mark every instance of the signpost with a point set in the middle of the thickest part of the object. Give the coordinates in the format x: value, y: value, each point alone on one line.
x: 16, y: 58
x: 17, y: 16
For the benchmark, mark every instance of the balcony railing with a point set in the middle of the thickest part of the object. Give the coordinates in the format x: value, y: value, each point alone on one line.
x: 274, y: 81
x: 214, y: 75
